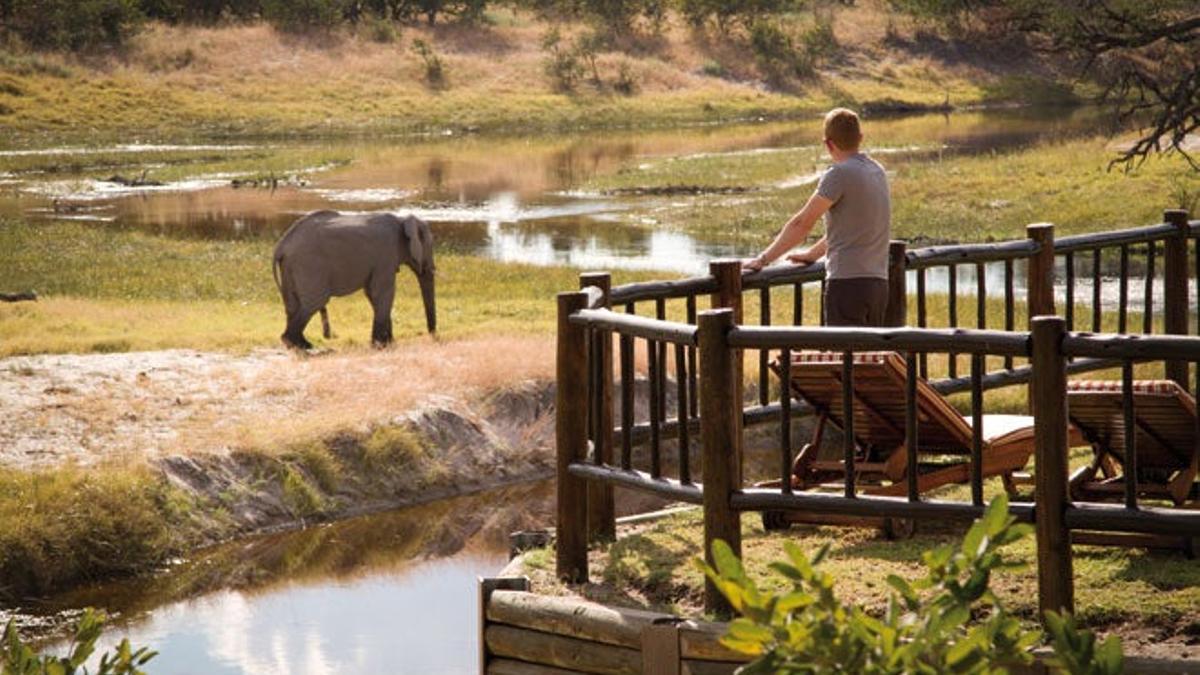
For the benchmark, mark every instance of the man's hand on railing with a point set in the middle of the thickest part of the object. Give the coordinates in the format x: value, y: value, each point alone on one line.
x: 755, y: 264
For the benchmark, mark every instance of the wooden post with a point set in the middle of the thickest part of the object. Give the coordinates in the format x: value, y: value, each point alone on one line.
x: 486, y: 587
x: 571, y: 440
x: 897, y: 307
x: 1175, y: 288
x: 602, y: 524
x: 720, y: 433
x: 728, y: 273
x: 1051, y: 496
x: 1039, y: 286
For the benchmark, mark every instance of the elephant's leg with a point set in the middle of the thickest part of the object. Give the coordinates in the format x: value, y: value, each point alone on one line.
x: 325, y: 329
x: 381, y: 291
x: 293, y: 336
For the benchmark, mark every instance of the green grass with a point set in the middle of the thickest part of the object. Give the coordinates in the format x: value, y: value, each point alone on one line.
x: 71, y: 524
x: 652, y: 568
x: 112, y: 290
x: 961, y: 199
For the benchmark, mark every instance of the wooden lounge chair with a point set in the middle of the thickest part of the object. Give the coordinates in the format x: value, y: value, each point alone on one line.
x: 1168, y: 451
x: 881, y: 467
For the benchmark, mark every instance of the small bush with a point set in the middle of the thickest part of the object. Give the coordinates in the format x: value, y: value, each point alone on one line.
x: 713, y: 69
x: 947, y: 622
x: 435, y: 75
x: 73, y: 24
x: 320, y: 464
x: 625, y: 82
x: 562, y: 64
x: 302, y: 15
x: 382, y: 30
x: 300, y: 495
x: 392, y: 447
x: 17, y: 658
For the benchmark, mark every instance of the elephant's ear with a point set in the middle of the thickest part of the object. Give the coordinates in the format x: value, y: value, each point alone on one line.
x: 412, y: 232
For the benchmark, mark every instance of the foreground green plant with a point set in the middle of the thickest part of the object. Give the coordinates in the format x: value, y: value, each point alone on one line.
x: 18, y: 658
x: 926, y: 627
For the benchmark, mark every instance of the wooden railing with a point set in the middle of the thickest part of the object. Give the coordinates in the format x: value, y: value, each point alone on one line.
x: 707, y: 349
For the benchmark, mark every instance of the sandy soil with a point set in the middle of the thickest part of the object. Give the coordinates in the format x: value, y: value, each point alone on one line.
x: 101, y: 407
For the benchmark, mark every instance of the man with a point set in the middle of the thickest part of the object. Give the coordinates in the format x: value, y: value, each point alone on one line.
x: 854, y: 193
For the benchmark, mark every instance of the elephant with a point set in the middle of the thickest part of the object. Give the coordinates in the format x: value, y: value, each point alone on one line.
x: 326, y: 254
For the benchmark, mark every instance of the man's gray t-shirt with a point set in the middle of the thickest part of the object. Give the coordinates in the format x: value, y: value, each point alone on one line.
x: 858, y: 225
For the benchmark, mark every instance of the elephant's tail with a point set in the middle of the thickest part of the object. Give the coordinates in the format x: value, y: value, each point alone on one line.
x: 276, y: 264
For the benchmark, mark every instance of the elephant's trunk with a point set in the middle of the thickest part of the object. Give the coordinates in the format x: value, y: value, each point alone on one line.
x: 427, y: 295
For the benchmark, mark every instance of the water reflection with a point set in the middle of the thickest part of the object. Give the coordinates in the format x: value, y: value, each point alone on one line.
x: 516, y: 198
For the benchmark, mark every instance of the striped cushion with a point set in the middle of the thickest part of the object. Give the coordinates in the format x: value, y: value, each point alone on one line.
x: 836, y: 357
x: 1167, y: 387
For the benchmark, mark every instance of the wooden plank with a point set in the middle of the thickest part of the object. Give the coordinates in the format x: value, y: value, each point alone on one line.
x: 660, y: 649
x: 720, y: 418
x: 512, y: 667
x: 701, y: 640
x: 487, y: 589
x: 572, y: 617
x: 562, y: 652
x: 1052, y: 495
x: 571, y: 440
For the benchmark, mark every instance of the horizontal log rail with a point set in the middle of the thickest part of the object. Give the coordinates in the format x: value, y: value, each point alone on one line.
x: 960, y: 254
x: 691, y: 493
x: 1134, y: 347
x: 637, y: 326
x: 1142, y: 520
x: 771, y: 499
x: 1135, y: 235
x: 990, y: 342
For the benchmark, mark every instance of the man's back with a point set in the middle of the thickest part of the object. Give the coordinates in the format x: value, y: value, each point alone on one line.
x: 859, y: 221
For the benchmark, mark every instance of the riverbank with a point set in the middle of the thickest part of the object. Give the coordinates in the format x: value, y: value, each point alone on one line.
x: 154, y: 454
x: 249, y: 80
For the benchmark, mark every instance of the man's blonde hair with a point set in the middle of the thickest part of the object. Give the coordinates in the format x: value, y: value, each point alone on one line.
x: 841, y: 127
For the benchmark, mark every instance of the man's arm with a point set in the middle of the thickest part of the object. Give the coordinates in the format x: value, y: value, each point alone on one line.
x: 811, y: 254
x: 793, y: 232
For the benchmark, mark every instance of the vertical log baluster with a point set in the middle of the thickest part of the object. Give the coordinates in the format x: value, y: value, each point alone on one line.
x: 693, y: 400
x: 1097, y: 287
x: 1010, y: 309
x: 1123, y: 309
x: 798, y: 304
x: 922, y: 317
x: 980, y: 296
x: 1129, y: 464
x: 655, y: 420
x: 977, y: 429
x: 721, y: 439
x: 952, y: 318
x: 764, y: 375
x: 681, y: 386
x: 785, y: 420
x: 1148, y: 302
x: 628, y: 394
x: 1069, y: 263
x: 1175, y: 288
x: 822, y: 318
x: 570, y: 432
x: 911, y: 437
x: 1051, y: 494
x: 848, y: 420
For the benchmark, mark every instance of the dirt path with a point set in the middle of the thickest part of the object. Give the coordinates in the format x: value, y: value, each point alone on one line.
x: 148, y: 405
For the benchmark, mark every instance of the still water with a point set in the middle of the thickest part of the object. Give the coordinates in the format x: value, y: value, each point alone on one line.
x: 516, y: 199
x: 387, y: 593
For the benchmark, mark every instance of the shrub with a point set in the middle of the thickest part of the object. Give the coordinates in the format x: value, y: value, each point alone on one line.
x: 17, y: 658
x: 562, y: 65
x: 302, y: 15
x: 73, y: 24
x: 926, y: 627
x: 625, y: 82
x: 725, y: 13
x: 382, y: 30
x: 435, y: 75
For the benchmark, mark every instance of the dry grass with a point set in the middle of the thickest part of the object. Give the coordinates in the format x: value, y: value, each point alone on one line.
x: 237, y: 79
